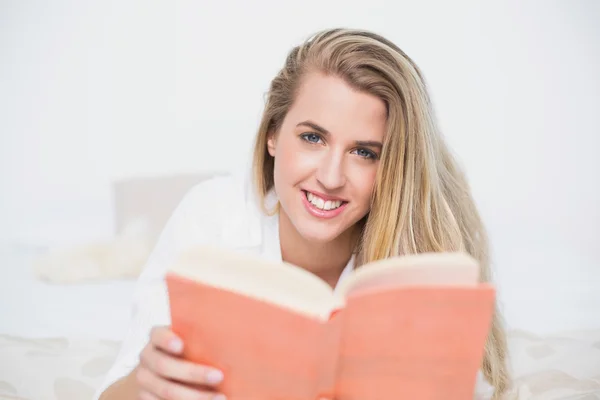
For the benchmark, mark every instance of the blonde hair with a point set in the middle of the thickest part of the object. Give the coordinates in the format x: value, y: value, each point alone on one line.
x: 421, y: 200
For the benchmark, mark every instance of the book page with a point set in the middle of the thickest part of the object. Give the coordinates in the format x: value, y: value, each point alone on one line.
x: 280, y: 283
x: 439, y: 269
x: 414, y: 343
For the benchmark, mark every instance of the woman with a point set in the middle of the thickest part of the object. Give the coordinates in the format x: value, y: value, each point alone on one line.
x: 349, y: 167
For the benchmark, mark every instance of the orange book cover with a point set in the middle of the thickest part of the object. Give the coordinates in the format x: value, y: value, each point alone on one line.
x: 410, y: 327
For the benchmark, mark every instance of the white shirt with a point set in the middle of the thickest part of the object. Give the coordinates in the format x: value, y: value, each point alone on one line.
x: 221, y: 211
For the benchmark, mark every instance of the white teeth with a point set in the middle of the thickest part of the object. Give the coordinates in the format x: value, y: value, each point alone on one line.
x: 323, y: 204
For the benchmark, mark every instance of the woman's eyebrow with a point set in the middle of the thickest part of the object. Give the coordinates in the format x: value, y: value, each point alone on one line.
x: 369, y: 143
x: 314, y: 126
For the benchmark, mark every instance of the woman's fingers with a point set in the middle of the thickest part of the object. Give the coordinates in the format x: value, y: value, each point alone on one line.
x: 177, y: 369
x: 162, y: 375
x: 163, y: 338
x: 156, y: 387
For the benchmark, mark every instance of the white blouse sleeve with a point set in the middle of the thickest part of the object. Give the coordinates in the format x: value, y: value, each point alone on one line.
x: 150, y: 299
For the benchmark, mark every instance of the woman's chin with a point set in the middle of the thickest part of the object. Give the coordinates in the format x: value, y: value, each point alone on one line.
x: 319, y: 234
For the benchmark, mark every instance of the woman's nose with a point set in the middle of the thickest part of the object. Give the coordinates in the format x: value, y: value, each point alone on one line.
x: 331, y: 172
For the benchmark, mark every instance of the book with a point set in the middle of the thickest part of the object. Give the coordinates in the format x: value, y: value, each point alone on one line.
x: 407, y: 327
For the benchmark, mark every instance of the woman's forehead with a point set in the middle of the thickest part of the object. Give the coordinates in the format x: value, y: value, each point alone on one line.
x: 339, y: 108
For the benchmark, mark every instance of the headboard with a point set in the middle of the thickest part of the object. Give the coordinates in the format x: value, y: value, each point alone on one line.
x: 152, y: 199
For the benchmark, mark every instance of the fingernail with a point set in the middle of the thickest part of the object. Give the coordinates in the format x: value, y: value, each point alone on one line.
x: 220, y: 397
x: 176, y: 345
x: 213, y: 377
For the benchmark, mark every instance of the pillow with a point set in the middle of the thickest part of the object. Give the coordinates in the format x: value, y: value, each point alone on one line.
x: 142, y: 207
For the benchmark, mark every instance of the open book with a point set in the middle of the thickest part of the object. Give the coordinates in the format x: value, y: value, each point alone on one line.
x: 411, y: 327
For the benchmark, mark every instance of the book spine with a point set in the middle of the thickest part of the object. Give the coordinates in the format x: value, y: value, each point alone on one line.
x: 329, y: 356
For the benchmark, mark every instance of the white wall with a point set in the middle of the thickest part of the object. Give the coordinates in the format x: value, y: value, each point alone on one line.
x: 92, y: 92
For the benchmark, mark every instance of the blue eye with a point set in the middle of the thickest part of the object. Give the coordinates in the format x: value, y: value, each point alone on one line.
x: 364, y: 153
x: 311, y: 137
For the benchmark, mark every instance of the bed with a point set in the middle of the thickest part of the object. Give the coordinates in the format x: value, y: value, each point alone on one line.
x: 58, y: 338
x: 56, y: 341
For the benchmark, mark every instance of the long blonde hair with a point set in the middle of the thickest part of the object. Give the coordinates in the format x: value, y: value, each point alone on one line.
x: 421, y: 200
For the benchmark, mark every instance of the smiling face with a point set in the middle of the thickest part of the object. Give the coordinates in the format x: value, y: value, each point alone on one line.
x: 326, y: 157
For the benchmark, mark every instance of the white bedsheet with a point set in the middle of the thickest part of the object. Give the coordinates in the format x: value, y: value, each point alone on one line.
x: 31, y: 308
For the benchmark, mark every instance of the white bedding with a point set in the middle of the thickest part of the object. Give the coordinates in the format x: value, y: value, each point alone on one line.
x: 31, y: 308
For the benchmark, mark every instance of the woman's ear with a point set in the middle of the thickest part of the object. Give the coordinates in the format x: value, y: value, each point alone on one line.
x: 271, y: 142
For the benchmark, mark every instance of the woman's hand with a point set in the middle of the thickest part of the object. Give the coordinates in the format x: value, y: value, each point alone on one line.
x: 162, y: 375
